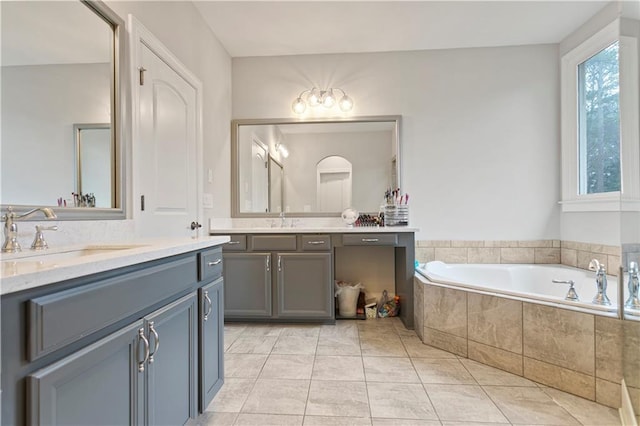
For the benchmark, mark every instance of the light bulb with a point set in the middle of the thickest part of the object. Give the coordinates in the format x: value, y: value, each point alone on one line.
x: 328, y: 100
x: 298, y: 106
x: 313, y: 98
x: 346, y: 103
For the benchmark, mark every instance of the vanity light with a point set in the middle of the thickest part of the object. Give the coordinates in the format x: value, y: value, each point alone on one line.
x: 326, y: 98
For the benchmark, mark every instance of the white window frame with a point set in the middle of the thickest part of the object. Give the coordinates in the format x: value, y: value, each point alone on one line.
x: 628, y: 199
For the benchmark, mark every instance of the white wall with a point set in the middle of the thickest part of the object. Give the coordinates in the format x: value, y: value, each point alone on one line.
x: 479, y: 136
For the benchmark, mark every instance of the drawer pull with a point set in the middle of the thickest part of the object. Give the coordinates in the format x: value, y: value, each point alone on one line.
x: 370, y: 240
x: 279, y: 263
x: 146, y: 349
x: 215, y: 262
x: 233, y: 243
x: 268, y: 263
x: 156, y: 340
x: 210, y: 307
x: 316, y: 243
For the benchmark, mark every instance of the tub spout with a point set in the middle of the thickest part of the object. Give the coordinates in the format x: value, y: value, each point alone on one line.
x: 633, y: 301
x: 601, y: 283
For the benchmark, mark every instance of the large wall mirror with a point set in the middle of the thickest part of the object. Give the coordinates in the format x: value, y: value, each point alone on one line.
x: 61, y: 67
x: 313, y: 168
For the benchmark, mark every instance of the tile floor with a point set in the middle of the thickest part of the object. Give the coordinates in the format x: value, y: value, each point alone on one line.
x: 375, y: 372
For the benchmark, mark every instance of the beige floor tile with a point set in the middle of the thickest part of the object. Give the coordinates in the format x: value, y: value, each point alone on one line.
x: 386, y: 369
x: 473, y: 424
x: 336, y: 345
x: 252, y: 345
x: 247, y: 419
x: 416, y: 349
x: 269, y: 330
x: 486, y: 375
x: 526, y: 405
x: 340, y: 329
x: 295, y: 345
x: 400, y: 401
x: 463, y: 403
x: 294, y: 367
x: 587, y: 412
x: 386, y: 346
x: 336, y: 421
x: 277, y: 397
x: 301, y: 330
x: 243, y: 365
x: 232, y: 395
x: 343, y: 399
x: 344, y: 368
x: 443, y: 371
x: 213, y: 419
x: 404, y: 422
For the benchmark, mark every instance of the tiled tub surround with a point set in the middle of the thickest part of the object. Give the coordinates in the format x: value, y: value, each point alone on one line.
x: 568, y: 253
x: 576, y: 352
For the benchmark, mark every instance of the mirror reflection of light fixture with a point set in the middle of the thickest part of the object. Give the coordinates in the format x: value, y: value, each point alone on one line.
x: 282, y: 150
x: 326, y: 98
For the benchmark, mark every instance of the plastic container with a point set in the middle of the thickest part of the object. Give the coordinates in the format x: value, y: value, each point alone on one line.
x: 348, y: 301
x: 396, y: 215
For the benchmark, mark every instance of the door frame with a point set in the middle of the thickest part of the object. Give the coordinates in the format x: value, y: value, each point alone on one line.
x: 139, y: 34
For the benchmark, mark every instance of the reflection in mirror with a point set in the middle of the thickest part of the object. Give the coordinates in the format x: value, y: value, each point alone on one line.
x: 59, y: 62
x: 276, y: 182
x: 327, y: 165
x: 94, y: 175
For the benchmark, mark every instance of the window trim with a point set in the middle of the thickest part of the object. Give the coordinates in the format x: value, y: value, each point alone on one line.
x: 628, y: 199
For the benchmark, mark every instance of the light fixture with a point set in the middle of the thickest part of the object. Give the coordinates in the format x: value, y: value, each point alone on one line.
x: 282, y: 150
x: 326, y: 98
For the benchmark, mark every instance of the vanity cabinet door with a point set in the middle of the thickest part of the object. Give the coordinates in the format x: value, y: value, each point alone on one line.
x: 247, y: 278
x: 304, y: 285
x: 211, y: 341
x: 171, y: 367
x: 100, y: 384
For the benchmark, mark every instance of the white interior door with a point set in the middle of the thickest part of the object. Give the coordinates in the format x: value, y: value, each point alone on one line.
x: 165, y: 167
x: 334, y: 191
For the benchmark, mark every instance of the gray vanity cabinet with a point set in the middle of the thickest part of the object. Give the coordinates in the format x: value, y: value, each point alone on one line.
x: 304, y: 285
x: 211, y: 341
x: 248, y: 285
x: 99, y: 384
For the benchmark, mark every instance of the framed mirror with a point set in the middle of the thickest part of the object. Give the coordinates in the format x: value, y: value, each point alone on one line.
x: 319, y: 164
x: 61, y: 66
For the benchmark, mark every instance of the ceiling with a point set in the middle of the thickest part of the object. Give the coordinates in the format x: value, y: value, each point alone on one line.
x: 268, y: 28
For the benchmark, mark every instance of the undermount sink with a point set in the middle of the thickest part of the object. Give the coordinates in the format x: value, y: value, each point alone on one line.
x: 55, y: 255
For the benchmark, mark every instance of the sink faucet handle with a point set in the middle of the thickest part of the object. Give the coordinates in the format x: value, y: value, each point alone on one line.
x: 39, y: 242
x: 633, y: 268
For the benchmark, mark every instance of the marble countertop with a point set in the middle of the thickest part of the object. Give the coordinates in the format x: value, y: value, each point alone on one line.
x: 29, y: 269
x: 314, y: 230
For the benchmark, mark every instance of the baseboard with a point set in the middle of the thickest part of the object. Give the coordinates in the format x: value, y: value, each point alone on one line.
x: 627, y: 416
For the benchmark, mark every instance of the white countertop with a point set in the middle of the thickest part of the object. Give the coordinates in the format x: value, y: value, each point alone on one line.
x: 315, y: 230
x: 29, y: 269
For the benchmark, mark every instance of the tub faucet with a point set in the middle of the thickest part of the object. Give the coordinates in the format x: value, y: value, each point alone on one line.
x: 601, y: 282
x: 283, y: 220
x: 11, y: 244
x: 633, y: 301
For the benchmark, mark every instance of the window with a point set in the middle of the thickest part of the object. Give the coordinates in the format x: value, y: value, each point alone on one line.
x: 599, y: 122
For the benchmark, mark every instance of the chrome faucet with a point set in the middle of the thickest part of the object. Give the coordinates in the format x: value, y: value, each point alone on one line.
x: 633, y: 301
x: 11, y: 244
x: 601, y: 282
x: 283, y: 220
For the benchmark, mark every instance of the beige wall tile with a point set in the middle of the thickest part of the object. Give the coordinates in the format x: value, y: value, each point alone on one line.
x: 466, y: 243
x: 547, y: 255
x: 584, y: 246
x: 444, y: 341
x: 608, y: 393
x: 536, y: 243
x: 495, y: 357
x: 446, y: 310
x: 418, y: 306
x: 631, y: 355
x: 556, y: 244
x: 517, y: 255
x: 572, y: 245
x: 425, y: 254
x: 560, y: 378
x: 609, y: 336
x: 612, y: 250
x: 501, y: 243
x: 560, y: 337
x: 451, y: 255
x: 495, y: 321
x: 613, y: 263
x: 434, y: 243
x: 483, y: 255
x: 569, y: 257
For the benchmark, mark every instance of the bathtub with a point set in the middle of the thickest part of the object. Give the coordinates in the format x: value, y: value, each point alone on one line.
x: 529, y: 283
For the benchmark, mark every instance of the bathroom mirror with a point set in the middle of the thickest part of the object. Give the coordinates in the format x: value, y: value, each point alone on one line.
x: 61, y: 66
x: 321, y: 165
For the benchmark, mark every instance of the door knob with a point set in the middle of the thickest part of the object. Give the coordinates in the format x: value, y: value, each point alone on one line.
x: 195, y: 225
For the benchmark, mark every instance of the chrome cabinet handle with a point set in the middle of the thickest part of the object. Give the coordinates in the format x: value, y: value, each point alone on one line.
x: 370, y: 240
x: 157, y: 341
x: 315, y: 243
x: 215, y: 262
x: 207, y: 300
x: 146, y: 349
x: 233, y: 243
x: 279, y: 263
x: 268, y: 263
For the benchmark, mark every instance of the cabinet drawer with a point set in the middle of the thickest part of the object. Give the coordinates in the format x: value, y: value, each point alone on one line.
x: 316, y: 242
x: 210, y: 264
x: 370, y: 239
x: 273, y: 242
x: 237, y: 243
